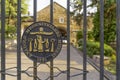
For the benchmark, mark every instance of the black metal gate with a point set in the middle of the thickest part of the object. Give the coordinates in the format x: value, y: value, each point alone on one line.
x: 19, y: 70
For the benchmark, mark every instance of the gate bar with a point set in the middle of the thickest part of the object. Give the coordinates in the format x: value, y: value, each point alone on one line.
x: 101, y: 39
x: 3, y: 39
x: 68, y: 39
x: 51, y: 11
x: 35, y: 19
x: 118, y: 41
x: 51, y: 21
x: 19, y: 40
x: 84, y: 40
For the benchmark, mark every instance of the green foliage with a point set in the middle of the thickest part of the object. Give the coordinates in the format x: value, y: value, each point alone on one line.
x: 113, y: 59
x: 77, y: 7
x: 109, y: 24
x: 10, y: 31
x: 90, y: 35
x: 96, y: 30
x: 11, y: 14
x: 24, y: 6
x: 112, y: 66
x: 11, y: 7
x: 93, y: 48
x: 11, y: 10
x: 79, y: 35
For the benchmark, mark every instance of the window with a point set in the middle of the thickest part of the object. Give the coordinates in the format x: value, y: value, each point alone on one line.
x: 61, y: 20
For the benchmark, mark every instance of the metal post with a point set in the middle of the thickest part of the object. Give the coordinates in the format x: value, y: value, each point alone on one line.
x: 118, y: 41
x: 68, y: 39
x: 19, y: 40
x: 84, y: 40
x: 35, y: 10
x: 35, y: 19
x: 51, y: 21
x: 3, y: 39
x: 101, y: 39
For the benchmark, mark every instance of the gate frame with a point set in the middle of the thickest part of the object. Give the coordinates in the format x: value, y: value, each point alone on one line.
x: 3, y: 58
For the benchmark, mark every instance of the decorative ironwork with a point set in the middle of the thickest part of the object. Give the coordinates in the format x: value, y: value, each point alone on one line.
x: 41, y: 42
x: 26, y: 71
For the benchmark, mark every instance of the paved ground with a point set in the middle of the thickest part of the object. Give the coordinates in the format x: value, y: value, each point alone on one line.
x: 59, y: 62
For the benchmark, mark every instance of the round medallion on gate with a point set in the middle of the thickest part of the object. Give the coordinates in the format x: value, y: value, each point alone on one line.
x: 41, y: 42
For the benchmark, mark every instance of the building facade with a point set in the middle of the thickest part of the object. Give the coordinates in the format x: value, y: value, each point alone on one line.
x: 59, y: 20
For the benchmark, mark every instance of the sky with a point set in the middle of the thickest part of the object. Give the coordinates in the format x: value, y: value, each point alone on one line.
x: 43, y: 3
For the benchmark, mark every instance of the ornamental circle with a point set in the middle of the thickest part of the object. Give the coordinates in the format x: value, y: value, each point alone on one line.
x: 41, y: 42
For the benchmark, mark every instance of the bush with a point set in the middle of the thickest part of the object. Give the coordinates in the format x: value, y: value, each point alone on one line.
x: 79, y: 35
x: 93, y: 48
x: 89, y: 35
x: 113, y: 59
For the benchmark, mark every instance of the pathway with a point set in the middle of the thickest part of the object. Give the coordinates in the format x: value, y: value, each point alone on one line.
x: 59, y: 62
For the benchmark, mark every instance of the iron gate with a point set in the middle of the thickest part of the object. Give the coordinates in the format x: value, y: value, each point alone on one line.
x: 35, y: 65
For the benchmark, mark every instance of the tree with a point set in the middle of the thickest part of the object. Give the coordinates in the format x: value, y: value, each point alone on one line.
x: 11, y: 14
x: 109, y: 23
x: 109, y: 18
x: 77, y: 7
x: 11, y: 9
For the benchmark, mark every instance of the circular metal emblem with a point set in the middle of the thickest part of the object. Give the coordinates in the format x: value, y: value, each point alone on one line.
x: 41, y: 42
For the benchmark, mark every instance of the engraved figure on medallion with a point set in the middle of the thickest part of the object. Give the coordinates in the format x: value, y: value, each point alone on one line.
x: 30, y: 44
x: 47, y: 45
x: 52, y: 47
x: 39, y: 42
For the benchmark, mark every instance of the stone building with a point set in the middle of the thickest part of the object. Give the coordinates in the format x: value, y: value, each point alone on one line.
x: 59, y: 20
